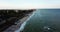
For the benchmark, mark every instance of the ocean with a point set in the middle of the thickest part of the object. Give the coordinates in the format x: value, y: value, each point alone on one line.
x: 44, y: 20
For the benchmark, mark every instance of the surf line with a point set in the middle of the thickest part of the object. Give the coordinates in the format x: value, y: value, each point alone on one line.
x: 23, y: 24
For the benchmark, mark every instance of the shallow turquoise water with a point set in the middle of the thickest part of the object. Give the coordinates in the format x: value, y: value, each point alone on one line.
x: 44, y: 18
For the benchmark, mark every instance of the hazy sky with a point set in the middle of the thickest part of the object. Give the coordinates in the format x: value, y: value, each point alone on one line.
x: 23, y: 4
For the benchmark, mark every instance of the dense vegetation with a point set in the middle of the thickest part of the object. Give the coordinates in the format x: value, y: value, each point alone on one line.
x: 9, y: 17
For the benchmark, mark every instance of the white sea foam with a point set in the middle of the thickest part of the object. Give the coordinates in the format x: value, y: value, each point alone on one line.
x: 23, y: 24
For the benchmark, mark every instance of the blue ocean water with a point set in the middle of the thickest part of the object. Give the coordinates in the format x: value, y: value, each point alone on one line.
x: 44, y: 20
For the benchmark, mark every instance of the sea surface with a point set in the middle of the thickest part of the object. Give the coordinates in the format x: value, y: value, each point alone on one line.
x: 44, y: 20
